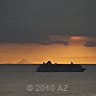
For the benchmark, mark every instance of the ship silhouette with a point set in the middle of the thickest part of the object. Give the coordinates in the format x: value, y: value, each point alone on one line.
x: 49, y: 67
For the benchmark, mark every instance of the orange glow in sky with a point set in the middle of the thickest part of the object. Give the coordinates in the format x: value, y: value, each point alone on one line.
x: 78, y: 38
x: 57, y: 53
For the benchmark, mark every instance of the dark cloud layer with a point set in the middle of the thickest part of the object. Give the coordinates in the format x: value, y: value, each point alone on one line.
x: 65, y: 43
x: 35, y: 20
x: 90, y: 44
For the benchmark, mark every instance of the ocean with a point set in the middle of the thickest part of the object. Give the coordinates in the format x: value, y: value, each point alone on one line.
x: 23, y: 80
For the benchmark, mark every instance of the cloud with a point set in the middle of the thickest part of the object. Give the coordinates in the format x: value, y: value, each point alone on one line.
x: 59, y: 38
x: 64, y: 40
x: 65, y: 43
x: 90, y: 44
x: 60, y: 42
x: 55, y: 39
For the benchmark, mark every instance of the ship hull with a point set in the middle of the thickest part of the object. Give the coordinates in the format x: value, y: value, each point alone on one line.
x: 60, y: 68
x: 62, y: 71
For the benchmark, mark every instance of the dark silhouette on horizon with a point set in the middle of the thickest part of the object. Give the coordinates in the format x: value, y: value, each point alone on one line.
x: 49, y: 67
x: 23, y: 61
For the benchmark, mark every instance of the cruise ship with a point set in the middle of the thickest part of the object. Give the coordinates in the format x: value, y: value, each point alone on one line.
x: 49, y: 67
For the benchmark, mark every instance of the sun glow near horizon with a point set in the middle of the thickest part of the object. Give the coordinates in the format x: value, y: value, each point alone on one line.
x: 57, y: 53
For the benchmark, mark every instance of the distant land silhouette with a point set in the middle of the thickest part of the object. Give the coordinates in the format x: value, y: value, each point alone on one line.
x: 49, y: 67
x: 23, y: 61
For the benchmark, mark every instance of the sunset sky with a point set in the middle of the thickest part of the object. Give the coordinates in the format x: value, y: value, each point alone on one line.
x: 41, y: 30
x: 55, y: 50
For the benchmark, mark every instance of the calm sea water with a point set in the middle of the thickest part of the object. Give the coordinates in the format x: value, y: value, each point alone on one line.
x: 23, y: 80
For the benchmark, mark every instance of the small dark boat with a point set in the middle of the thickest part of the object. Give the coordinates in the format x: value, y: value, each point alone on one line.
x: 49, y: 67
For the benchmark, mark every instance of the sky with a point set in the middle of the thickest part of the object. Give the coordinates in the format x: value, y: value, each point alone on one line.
x: 41, y: 30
